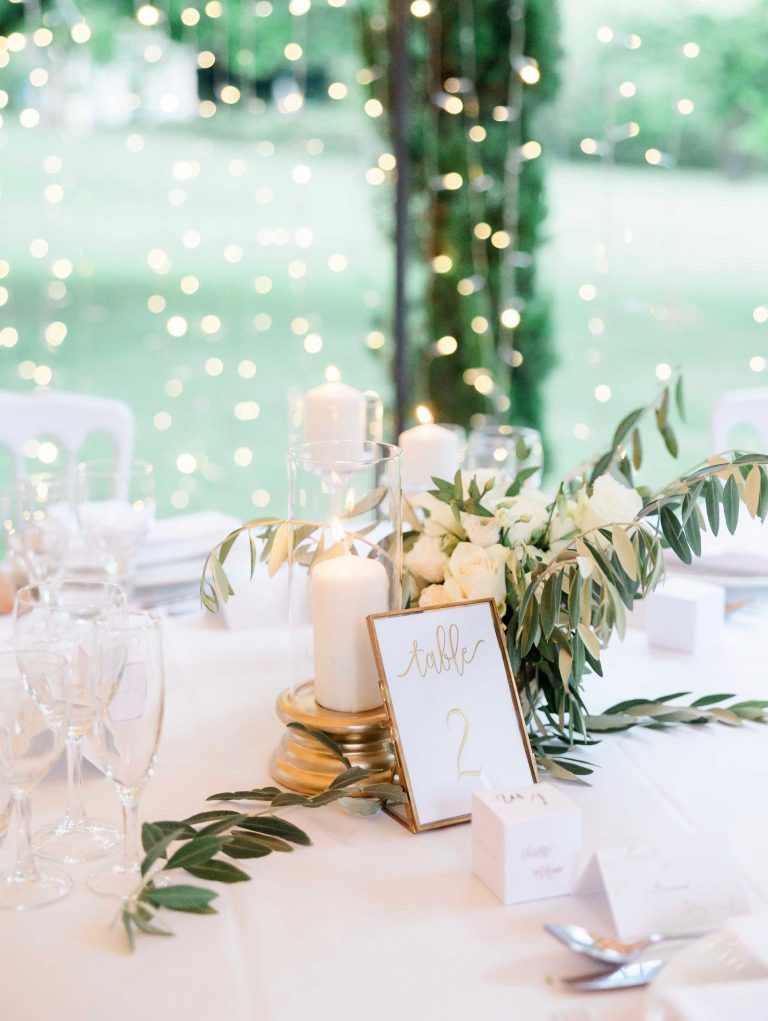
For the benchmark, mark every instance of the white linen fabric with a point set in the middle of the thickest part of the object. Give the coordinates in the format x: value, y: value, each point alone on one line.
x: 372, y: 918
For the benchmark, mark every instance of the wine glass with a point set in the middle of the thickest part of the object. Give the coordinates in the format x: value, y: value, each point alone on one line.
x: 128, y: 726
x: 507, y: 448
x: 115, y: 510
x: 35, y: 703
x: 63, y: 618
x: 37, y: 516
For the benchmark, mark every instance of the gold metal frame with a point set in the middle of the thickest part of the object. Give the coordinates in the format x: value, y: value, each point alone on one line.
x: 408, y: 814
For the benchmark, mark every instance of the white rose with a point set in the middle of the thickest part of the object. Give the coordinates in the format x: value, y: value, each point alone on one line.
x: 610, y: 503
x: 434, y: 595
x: 563, y: 524
x: 524, y: 516
x: 441, y: 520
x: 481, y: 531
x: 475, y: 572
x: 427, y: 559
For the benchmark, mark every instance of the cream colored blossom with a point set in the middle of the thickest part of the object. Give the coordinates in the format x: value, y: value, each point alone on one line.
x: 427, y: 559
x: 524, y: 516
x: 434, y: 595
x: 481, y: 531
x: 476, y: 572
x: 611, y: 502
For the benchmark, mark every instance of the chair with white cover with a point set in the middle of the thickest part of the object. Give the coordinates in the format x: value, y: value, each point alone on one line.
x: 740, y: 408
x: 67, y: 417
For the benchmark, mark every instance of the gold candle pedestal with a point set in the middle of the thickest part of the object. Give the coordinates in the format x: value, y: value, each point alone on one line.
x: 303, y: 764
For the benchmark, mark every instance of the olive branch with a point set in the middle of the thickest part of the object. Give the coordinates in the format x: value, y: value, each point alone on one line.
x: 194, y: 844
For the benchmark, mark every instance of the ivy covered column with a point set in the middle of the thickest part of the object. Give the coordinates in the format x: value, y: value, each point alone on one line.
x: 479, y: 328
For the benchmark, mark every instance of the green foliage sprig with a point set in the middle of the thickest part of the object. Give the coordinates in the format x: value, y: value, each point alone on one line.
x: 195, y: 844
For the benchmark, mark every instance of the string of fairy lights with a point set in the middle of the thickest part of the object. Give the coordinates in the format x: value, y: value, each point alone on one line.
x: 27, y: 53
x: 36, y: 49
x: 457, y: 96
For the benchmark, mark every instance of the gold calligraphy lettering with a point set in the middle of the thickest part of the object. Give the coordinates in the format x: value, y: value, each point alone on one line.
x: 449, y: 654
x: 464, y: 738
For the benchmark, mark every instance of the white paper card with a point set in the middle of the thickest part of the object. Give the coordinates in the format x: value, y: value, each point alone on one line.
x: 453, y: 705
x: 526, y: 842
x: 691, y: 885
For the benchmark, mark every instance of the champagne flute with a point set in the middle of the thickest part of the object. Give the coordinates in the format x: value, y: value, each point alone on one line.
x: 129, y: 722
x: 37, y: 516
x: 35, y: 703
x: 115, y: 510
x: 63, y: 618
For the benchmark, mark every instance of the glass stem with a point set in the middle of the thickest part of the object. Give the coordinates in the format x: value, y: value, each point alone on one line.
x: 75, y: 800
x: 132, y: 850
x: 26, y: 867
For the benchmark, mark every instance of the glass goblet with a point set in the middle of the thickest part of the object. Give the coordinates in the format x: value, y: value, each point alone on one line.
x: 37, y: 518
x: 63, y: 618
x: 506, y: 448
x: 115, y: 510
x: 128, y: 726
x: 35, y: 703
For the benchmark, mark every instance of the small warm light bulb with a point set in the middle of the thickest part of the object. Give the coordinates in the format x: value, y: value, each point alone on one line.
x: 423, y: 415
x: 332, y: 374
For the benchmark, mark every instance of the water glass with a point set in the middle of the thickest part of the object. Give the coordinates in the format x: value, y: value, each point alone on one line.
x: 37, y: 520
x: 63, y: 618
x: 130, y: 718
x: 35, y: 703
x: 506, y: 448
x: 115, y: 510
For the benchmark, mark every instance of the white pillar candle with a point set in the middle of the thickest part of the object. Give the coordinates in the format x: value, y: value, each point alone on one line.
x: 334, y: 411
x: 428, y: 450
x: 344, y: 591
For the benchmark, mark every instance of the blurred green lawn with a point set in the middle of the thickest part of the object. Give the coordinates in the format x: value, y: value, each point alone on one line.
x: 116, y: 209
x: 681, y: 291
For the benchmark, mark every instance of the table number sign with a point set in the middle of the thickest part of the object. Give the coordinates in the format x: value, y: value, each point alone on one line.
x: 453, y: 705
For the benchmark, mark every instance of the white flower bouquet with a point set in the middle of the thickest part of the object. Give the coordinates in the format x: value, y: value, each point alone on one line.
x: 563, y: 568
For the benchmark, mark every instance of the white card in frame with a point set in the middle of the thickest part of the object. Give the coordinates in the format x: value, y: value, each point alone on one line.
x: 453, y: 706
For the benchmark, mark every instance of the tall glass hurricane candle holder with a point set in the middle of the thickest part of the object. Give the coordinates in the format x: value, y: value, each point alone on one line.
x: 334, y: 412
x: 507, y: 448
x: 345, y: 562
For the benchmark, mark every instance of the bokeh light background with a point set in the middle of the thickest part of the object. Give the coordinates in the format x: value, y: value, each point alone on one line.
x: 199, y: 251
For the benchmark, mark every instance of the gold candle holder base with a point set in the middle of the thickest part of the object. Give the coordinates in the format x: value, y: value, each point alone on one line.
x: 303, y: 764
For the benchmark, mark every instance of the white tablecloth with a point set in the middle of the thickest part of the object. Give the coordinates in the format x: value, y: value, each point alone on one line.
x: 373, y: 920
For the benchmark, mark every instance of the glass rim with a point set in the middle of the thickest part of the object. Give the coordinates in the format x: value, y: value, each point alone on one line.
x: 504, y: 430
x: 107, y: 467
x: 302, y: 453
x: 18, y: 485
x: 125, y: 619
x: 28, y: 590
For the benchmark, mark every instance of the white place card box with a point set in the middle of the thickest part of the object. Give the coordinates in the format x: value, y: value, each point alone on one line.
x: 526, y: 842
x: 685, y: 615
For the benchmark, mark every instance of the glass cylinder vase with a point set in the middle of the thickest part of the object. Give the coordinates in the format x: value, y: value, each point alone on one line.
x: 345, y: 562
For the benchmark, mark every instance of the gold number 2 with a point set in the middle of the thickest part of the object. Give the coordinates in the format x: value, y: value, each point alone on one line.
x: 464, y: 738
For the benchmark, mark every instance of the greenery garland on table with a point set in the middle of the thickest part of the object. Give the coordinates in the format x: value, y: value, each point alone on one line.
x: 195, y: 844
x: 563, y: 570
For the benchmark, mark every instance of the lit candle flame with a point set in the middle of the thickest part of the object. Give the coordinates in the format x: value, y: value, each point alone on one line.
x: 332, y: 374
x: 424, y: 415
x: 338, y: 533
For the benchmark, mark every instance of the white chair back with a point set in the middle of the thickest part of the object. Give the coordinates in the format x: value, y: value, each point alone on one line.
x: 69, y: 418
x: 740, y: 407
